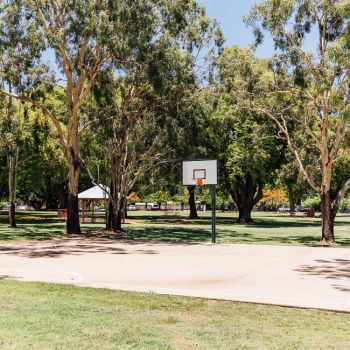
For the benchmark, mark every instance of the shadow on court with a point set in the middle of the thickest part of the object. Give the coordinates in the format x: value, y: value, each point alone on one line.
x: 65, y: 247
x: 334, y: 269
x: 330, y: 269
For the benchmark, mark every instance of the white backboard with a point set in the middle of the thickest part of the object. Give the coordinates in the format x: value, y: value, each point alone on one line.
x: 207, y: 170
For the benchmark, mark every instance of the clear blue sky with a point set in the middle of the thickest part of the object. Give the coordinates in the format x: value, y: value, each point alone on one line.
x: 229, y: 14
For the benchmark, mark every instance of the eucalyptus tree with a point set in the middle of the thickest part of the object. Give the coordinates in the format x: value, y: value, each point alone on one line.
x: 293, y: 183
x: 145, y: 113
x: 20, y: 69
x: 248, y: 154
x: 11, y: 126
x: 87, y: 35
x: 309, y: 87
x: 142, y: 115
x: 42, y: 171
x: 9, y: 146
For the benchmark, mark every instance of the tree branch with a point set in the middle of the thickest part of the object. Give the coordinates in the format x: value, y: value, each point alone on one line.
x: 283, y: 128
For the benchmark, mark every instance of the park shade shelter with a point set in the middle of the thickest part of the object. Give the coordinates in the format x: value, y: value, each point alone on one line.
x: 94, y: 194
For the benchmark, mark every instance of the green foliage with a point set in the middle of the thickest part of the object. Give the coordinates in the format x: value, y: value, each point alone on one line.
x: 313, y: 203
x: 313, y: 85
x: 21, y: 45
x: 148, y: 115
x: 42, y: 169
x: 149, y: 44
x: 241, y: 140
x: 345, y: 204
x: 159, y: 196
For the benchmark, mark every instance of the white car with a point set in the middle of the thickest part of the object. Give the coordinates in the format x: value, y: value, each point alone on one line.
x: 22, y: 207
x: 153, y: 206
x: 132, y: 207
x: 283, y: 209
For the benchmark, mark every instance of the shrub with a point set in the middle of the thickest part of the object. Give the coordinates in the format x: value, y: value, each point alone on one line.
x: 313, y: 203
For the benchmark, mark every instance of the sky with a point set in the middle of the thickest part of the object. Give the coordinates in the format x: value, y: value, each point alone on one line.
x: 229, y: 14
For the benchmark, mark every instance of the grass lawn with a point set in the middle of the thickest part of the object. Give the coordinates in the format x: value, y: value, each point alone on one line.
x: 269, y: 228
x: 49, y: 316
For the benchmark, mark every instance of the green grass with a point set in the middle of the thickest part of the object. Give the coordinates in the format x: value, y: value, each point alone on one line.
x: 48, y: 316
x: 35, y: 226
x: 268, y: 228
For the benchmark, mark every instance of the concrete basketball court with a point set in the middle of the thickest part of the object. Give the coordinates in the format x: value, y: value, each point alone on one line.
x: 281, y: 275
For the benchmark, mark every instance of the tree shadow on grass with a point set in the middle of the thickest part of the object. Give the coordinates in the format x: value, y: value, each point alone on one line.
x: 190, y: 231
x: 268, y: 222
x: 171, y: 234
x: 38, y: 232
x: 191, y: 234
x: 198, y: 234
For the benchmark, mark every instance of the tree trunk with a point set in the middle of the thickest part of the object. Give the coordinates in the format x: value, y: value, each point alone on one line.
x: 109, y: 216
x: 61, y: 193
x: 328, y: 219
x: 115, y: 218
x: 12, y: 182
x: 245, y: 214
x: 37, y: 205
x: 122, y: 210
x: 125, y: 212
x: 116, y: 207
x: 246, y: 197
x: 192, y: 202
x: 73, y: 224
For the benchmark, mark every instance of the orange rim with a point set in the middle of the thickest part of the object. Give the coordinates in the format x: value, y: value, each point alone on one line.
x: 199, y: 182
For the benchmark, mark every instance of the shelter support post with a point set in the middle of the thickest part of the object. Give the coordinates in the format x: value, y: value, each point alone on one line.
x: 83, y: 211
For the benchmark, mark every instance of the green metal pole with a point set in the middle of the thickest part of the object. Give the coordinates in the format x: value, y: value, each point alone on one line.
x: 213, y: 213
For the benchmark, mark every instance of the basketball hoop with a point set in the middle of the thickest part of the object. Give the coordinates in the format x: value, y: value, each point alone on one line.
x: 199, y: 182
x: 196, y: 172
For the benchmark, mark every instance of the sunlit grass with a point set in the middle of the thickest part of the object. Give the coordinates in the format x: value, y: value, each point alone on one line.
x: 49, y: 316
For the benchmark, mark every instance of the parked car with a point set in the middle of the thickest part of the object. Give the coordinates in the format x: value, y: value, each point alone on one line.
x: 132, y: 207
x: 301, y: 209
x: 153, y: 206
x: 283, y: 209
x: 22, y: 207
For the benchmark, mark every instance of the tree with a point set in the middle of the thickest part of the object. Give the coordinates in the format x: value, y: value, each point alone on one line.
x: 86, y: 36
x: 42, y: 172
x: 128, y: 135
x: 138, y: 119
x: 242, y: 141
x: 316, y: 94
x: 11, y: 137
x: 293, y: 182
x: 19, y: 52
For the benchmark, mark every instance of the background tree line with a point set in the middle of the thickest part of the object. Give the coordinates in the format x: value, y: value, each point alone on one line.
x: 147, y: 84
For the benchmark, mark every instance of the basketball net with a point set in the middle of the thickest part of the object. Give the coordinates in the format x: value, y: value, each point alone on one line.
x: 198, y: 189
